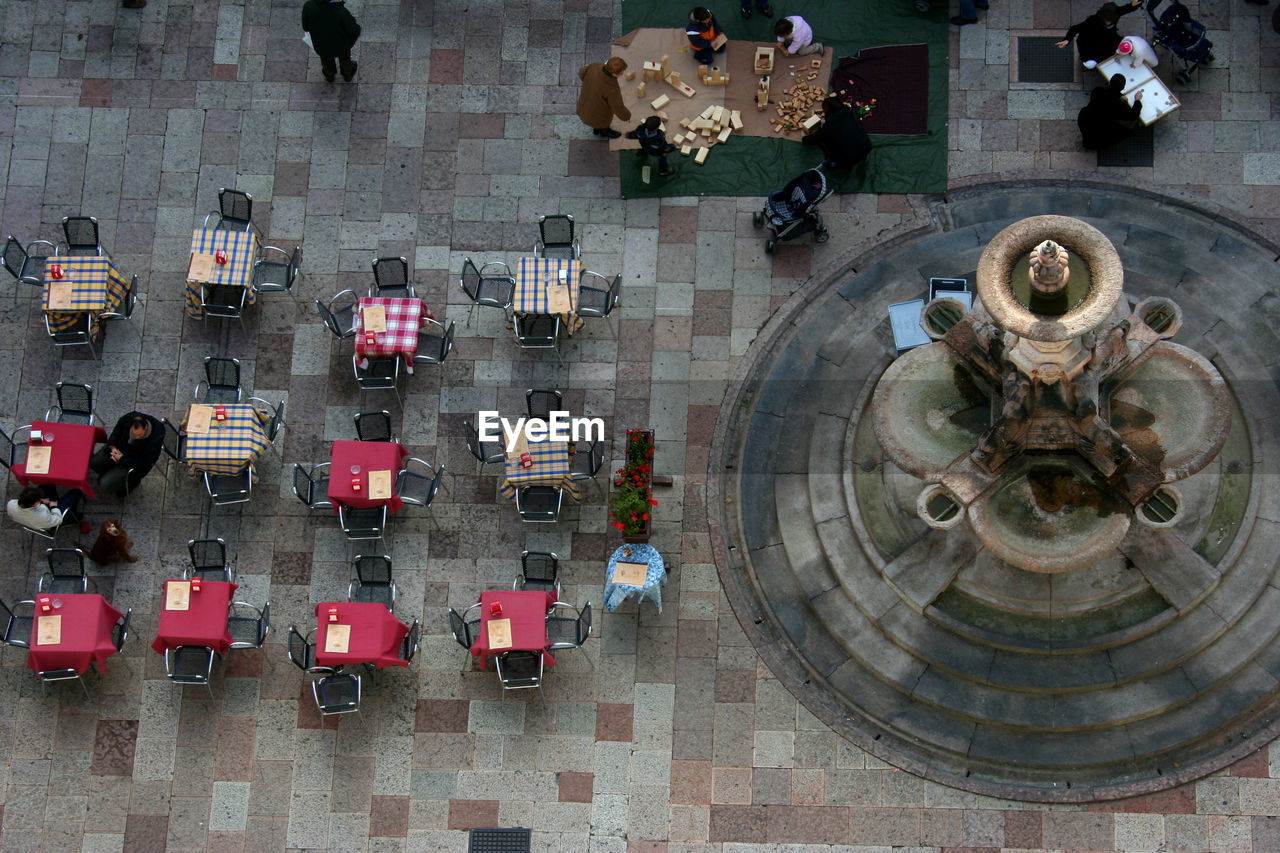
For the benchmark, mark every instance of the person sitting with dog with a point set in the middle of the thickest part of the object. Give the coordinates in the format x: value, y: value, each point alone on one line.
x: 129, y: 454
x: 40, y: 508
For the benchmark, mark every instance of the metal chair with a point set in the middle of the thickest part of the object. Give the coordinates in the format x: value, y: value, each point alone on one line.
x: 598, y: 301
x: 226, y: 489
x: 120, y: 631
x: 27, y: 265
x: 66, y: 573
x: 60, y: 675
x: 556, y: 238
x: 434, y: 348
x: 372, y: 582
x: 409, y: 645
x: 391, y: 279
x: 539, y: 503
x: 541, y: 402
x: 415, y: 487
x: 274, y: 412
x: 339, y: 315
x: 463, y: 633
x: 338, y: 693
x: 586, y: 462
x: 235, y: 211
x: 374, y: 426
x: 568, y: 632
x: 491, y: 291
x: 539, y: 570
x: 224, y: 301
x: 520, y: 670
x: 484, y: 451
x: 74, y: 404
x: 190, y: 665
x: 538, y: 331
x: 247, y: 625
x: 302, y: 651
x: 312, y: 487
x: 80, y: 333
x: 82, y: 235
x: 208, y: 560
x: 381, y: 374
x: 363, y: 523
x: 12, y: 452
x: 17, y: 627
x: 125, y: 311
x: 278, y: 275
x: 174, y: 440
x: 221, y: 381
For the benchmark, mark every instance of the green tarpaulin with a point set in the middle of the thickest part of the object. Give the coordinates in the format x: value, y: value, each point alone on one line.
x: 758, y: 165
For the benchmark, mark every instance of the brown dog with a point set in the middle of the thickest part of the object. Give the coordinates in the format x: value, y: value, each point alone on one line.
x: 112, y: 545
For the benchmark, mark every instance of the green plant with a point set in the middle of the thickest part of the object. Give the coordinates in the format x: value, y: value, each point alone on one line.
x: 631, y: 501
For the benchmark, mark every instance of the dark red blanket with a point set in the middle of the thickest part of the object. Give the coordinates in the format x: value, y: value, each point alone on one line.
x: 897, y: 77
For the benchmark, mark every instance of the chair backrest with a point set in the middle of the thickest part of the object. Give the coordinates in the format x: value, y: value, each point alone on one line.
x: 235, y: 205
x: 172, y: 440
x: 126, y: 305
x: 9, y: 450
x: 82, y: 234
x: 519, y: 669
x: 372, y: 568
x: 120, y: 632
x: 556, y: 230
x: 446, y: 345
x: 338, y: 693
x: 615, y: 293
x: 470, y: 433
x: 301, y: 652
x: 223, y: 300
x: 541, y: 402
x: 207, y: 553
x: 379, y: 373
x: 470, y: 279
x: 75, y: 402
x: 537, y: 330
x: 540, y: 565
x: 65, y: 562
x: 594, y: 456
x: 458, y: 626
x: 374, y: 426
x: 247, y: 625
x: 409, y: 646
x: 363, y: 522
x: 303, y: 485
x: 539, y: 503
x: 229, y: 488
x: 15, y: 257
x: 189, y: 664
x: 222, y: 372
x: 584, y: 623
x: 390, y: 272
x: 277, y: 421
x: 330, y: 321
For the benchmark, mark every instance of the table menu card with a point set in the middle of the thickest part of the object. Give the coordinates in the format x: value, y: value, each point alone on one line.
x: 632, y: 574
x: 521, y: 448
x: 38, y: 459
x: 499, y: 633
x: 380, y: 485
x: 48, y: 630
x: 60, y: 293
x: 558, y: 301
x: 198, y: 419
x: 201, y: 268
x: 337, y: 639
x: 177, y: 595
x: 375, y: 318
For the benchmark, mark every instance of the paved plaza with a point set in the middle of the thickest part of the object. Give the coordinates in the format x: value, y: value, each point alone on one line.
x: 666, y: 732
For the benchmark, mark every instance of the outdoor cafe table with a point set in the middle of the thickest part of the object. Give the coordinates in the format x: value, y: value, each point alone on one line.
x: 229, y: 445
x: 655, y: 575
x: 69, y: 454
x: 94, y: 285
x: 346, y: 456
x: 203, y: 623
x: 550, y: 468
x: 530, y: 297
x: 87, y: 621
x: 404, y: 317
x: 527, y: 610
x: 376, y: 634
x: 242, y: 250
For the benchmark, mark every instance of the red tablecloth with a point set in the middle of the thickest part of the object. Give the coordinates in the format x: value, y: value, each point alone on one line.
x: 527, y: 610
x: 376, y: 634
x: 87, y: 621
x: 370, y: 456
x: 69, y: 462
x: 203, y: 624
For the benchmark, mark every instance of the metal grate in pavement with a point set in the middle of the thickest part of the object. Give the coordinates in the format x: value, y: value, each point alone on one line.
x: 1138, y: 150
x: 1040, y: 60
x: 514, y: 840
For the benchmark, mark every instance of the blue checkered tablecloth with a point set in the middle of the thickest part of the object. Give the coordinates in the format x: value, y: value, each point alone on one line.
x: 616, y: 593
x: 531, y: 292
x: 229, y: 445
x: 550, y: 468
x: 96, y: 286
x: 242, y: 250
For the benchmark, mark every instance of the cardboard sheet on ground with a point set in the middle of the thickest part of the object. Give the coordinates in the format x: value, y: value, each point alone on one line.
x: 758, y: 165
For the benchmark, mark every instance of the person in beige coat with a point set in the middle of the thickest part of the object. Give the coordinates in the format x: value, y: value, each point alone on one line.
x: 601, y: 99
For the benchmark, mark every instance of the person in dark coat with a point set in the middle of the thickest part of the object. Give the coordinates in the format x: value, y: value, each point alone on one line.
x: 1108, y: 117
x: 1096, y: 36
x: 601, y: 97
x: 333, y: 33
x: 843, y: 141
x: 653, y: 142
x: 130, y: 452
x: 702, y: 32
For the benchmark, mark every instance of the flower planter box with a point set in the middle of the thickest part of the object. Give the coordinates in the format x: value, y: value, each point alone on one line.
x: 632, y: 497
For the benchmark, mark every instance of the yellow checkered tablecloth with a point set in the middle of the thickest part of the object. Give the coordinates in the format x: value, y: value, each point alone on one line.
x: 242, y: 250
x: 531, y: 291
x: 550, y: 468
x: 96, y: 287
x: 229, y: 445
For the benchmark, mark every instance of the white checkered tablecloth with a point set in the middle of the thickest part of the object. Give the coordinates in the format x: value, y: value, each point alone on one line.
x: 404, y: 319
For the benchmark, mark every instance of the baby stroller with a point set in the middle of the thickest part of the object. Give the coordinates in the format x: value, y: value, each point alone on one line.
x: 1175, y: 29
x: 792, y: 211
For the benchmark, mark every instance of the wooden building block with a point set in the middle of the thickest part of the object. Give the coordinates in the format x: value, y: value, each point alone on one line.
x: 724, y: 135
x: 764, y: 60
x: 717, y: 115
x: 686, y: 90
x: 708, y: 112
x: 665, y: 66
x: 686, y: 150
x: 684, y: 122
x: 662, y: 115
x: 659, y: 102
x: 735, y: 120
x: 674, y: 79
x: 644, y: 174
x: 640, y: 90
x: 631, y: 75
x: 701, y: 156
x: 811, y: 122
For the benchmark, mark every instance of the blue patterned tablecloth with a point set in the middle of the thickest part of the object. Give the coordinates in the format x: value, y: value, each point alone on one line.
x: 616, y: 593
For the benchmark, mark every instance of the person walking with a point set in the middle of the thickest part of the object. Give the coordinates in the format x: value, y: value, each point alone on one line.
x: 333, y: 32
x: 601, y: 98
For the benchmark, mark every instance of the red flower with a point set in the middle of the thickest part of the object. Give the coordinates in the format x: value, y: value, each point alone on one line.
x: 646, y: 516
x: 652, y: 502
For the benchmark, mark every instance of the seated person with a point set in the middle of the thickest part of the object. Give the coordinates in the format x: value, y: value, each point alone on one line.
x: 843, y: 141
x: 653, y: 142
x: 1096, y: 37
x: 39, y: 508
x: 131, y: 451
x: 702, y: 31
x: 795, y: 37
x: 1108, y: 117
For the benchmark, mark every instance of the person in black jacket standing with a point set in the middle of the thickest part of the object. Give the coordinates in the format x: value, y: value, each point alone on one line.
x: 333, y: 33
x: 843, y: 141
x: 1096, y: 36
